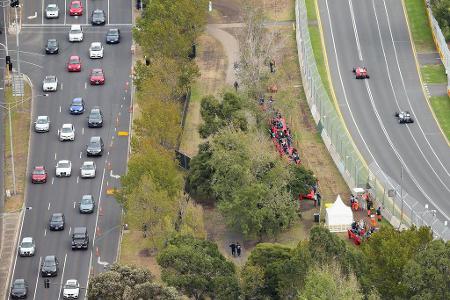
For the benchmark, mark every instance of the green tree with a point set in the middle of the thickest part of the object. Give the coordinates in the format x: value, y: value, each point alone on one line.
x: 427, y: 273
x: 441, y: 11
x: 112, y: 284
x: 199, y: 179
x: 196, y: 267
x: 386, y: 254
x: 327, y: 282
x: 301, y: 180
x: 154, y: 291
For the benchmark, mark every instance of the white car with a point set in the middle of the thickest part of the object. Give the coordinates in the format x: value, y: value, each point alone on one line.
x: 71, y: 289
x: 64, y: 168
x: 75, y: 33
x: 96, y: 50
x: 67, y: 132
x: 27, y: 247
x: 88, y: 169
x: 50, y: 83
x: 52, y: 11
x: 42, y: 124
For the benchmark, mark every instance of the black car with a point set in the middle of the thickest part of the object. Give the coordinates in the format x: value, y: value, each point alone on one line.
x: 98, y: 17
x: 95, y: 146
x: 19, y: 289
x: 80, y: 238
x: 95, y: 118
x: 113, y: 36
x: 49, y: 267
x: 52, y: 46
x: 56, y: 222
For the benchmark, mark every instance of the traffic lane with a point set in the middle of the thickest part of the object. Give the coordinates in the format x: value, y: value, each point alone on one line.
x: 63, y: 11
x: 31, y: 11
x: 93, y: 5
x: 120, y: 12
x: 410, y: 147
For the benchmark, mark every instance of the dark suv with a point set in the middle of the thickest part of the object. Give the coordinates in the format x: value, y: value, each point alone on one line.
x: 49, y: 267
x: 95, y: 118
x: 95, y: 146
x: 52, y: 46
x: 80, y: 238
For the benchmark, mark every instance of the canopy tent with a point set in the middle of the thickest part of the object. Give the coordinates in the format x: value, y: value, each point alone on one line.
x: 339, y: 217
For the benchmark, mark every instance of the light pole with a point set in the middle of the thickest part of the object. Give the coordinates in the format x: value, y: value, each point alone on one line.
x: 9, y: 108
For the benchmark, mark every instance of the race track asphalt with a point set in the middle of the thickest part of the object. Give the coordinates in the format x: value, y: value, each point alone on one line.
x: 63, y: 194
x: 374, y: 34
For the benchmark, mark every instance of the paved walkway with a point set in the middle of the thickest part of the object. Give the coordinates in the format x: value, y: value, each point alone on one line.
x: 10, y: 226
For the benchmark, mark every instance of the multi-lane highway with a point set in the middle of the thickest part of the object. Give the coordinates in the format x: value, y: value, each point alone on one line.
x: 374, y: 34
x: 63, y: 194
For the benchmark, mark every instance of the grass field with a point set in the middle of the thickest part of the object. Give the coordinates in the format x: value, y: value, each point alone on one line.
x: 441, y: 108
x: 433, y: 74
x: 20, y: 119
x: 419, y: 25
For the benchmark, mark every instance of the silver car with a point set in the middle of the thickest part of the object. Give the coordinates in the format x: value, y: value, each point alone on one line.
x: 88, y: 169
x: 42, y: 124
x: 87, y: 204
x: 27, y: 247
x: 52, y: 11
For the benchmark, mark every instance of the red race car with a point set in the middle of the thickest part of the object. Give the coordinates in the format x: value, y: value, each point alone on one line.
x: 360, y: 72
x: 76, y: 8
x: 97, y: 77
x: 39, y: 175
x: 74, y: 64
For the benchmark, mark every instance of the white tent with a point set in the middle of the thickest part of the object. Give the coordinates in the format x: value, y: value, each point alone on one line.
x: 339, y: 216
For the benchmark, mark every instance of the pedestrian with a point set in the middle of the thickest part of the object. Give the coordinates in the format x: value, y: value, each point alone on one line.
x: 379, y: 217
x: 238, y: 249
x: 233, y: 249
x: 236, y: 85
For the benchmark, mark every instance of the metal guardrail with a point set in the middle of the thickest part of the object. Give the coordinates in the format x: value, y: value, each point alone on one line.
x: 399, y: 208
x: 441, y: 44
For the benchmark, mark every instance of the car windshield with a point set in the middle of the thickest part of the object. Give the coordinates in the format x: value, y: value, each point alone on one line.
x: 63, y: 165
x: 86, y: 201
x: 74, y: 61
x: 76, y: 102
x: 41, y: 121
x: 51, y: 43
x: 96, y: 47
x: 97, y: 72
x: 49, y: 263
x: 66, y: 129
x: 57, y: 218
x: 95, y: 115
x: 19, y: 285
x: 75, y: 5
x: 27, y: 244
x: 113, y: 32
x: 88, y: 167
x: 50, y: 79
x: 39, y: 172
x: 70, y: 285
x: 75, y: 31
x: 52, y: 8
x: 98, y: 14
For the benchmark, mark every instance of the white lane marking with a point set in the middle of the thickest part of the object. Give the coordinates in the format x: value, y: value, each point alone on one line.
x: 55, y: 155
x: 87, y: 10
x: 82, y: 131
x: 78, y: 179
x: 85, y: 85
x: 62, y: 277
x: 70, y: 230
x: 89, y: 274
x: 113, y: 176
x: 61, y: 86
x: 37, y: 278
x: 65, y: 11
x: 30, y: 63
x: 60, y: 108
x: 99, y: 205
x: 33, y: 16
x: 103, y: 263
x: 115, y: 129
x: 42, y: 12
x: 81, y: 153
x: 108, y: 12
x: 53, y: 179
x: 48, y: 208
x: 45, y: 232
x: 20, y: 233
x: 355, y: 30
x: 107, y: 183
x: 74, y: 204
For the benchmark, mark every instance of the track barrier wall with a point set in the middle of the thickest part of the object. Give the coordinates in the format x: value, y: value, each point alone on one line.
x: 399, y: 208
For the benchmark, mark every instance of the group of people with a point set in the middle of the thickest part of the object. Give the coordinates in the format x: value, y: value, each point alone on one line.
x: 354, y: 202
x: 362, y: 230
x: 235, y: 249
x: 281, y: 135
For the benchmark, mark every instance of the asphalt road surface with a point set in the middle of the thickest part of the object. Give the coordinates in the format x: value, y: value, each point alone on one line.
x: 374, y: 34
x: 63, y: 194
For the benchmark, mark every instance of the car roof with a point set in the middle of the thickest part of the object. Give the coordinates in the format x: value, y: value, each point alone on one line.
x: 39, y: 168
x: 19, y: 280
x: 27, y: 239
x: 52, y: 5
x: 113, y: 30
x: 49, y: 257
x: 95, y: 138
x: 50, y: 77
x: 64, y: 161
x: 88, y: 163
x: 79, y: 230
x: 98, y: 10
x: 77, y: 99
x: 75, y: 1
x: 42, y: 117
x: 97, y: 70
x: 67, y: 125
x: 87, y: 197
x: 74, y: 57
x: 72, y: 281
x: 96, y: 44
x: 96, y: 109
x: 75, y: 26
x: 57, y: 214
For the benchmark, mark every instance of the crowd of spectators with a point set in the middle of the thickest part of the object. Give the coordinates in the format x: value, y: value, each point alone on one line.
x: 282, y: 138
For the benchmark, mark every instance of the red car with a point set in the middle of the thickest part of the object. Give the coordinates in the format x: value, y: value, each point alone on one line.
x: 74, y: 64
x: 39, y: 175
x: 76, y: 8
x: 97, y: 77
x: 360, y: 72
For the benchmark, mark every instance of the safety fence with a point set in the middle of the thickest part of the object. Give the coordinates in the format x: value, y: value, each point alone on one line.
x: 441, y: 44
x: 399, y: 208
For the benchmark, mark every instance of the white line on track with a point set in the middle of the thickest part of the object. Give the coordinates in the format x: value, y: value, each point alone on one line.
x: 61, y: 86
x: 55, y: 155
x: 82, y: 131
x: 37, y: 278
x: 89, y: 273
x: 85, y: 85
x: 74, y: 204
x: 45, y: 233
x: 81, y: 153
x: 53, y: 179
x: 70, y: 230
x: 87, y: 10
x: 65, y: 11
x: 42, y: 12
x: 355, y: 30
x: 48, y: 208
x: 78, y: 179
x: 60, y: 108
x: 62, y: 277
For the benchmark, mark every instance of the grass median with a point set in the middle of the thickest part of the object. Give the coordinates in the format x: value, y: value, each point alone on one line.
x: 433, y: 74
x: 20, y: 120
x: 441, y: 108
x: 419, y: 25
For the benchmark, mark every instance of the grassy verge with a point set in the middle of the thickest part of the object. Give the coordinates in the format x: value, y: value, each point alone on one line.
x: 316, y: 42
x: 441, y: 108
x: 433, y: 74
x: 20, y: 120
x: 419, y: 25
x: 276, y: 10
